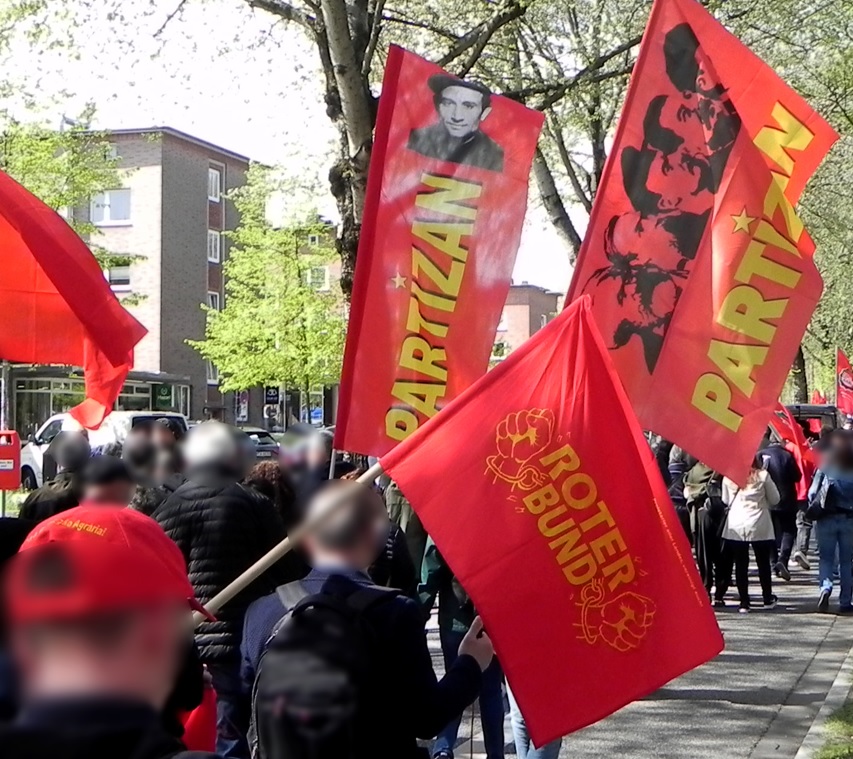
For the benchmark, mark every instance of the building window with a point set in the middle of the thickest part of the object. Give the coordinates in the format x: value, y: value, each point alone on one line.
x: 318, y: 277
x: 119, y: 278
x: 212, y: 374
x: 543, y: 320
x: 214, y: 243
x: 313, y: 239
x: 111, y: 207
x: 111, y: 152
x: 213, y: 300
x: 214, y: 184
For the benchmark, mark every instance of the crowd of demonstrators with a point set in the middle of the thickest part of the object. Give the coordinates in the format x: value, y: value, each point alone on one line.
x: 792, y: 490
x: 125, y: 539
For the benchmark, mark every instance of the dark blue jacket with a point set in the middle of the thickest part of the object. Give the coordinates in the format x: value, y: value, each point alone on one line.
x: 785, y: 473
x: 415, y: 703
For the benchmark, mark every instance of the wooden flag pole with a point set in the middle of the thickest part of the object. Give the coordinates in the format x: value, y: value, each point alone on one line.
x: 285, y: 547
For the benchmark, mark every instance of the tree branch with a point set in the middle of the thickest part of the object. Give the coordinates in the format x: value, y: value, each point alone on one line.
x: 478, y: 37
x: 375, y: 30
x: 286, y: 11
x: 554, y: 204
x: 169, y: 18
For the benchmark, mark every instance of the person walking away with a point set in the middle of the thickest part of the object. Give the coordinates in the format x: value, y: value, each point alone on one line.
x: 748, y: 523
x: 703, y: 491
x: 401, y: 513
x: 804, y: 524
x: 222, y: 528
x: 369, y: 636
x: 71, y: 451
x: 455, y: 616
x: 99, y: 618
x: 831, y: 509
x: 106, y: 480
x: 524, y: 748
x: 785, y: 472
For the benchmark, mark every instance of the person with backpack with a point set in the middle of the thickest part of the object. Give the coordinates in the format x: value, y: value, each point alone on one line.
x: 338, y: 667
x: 456, y: 614
x: 785, y: 472
x: 703, y: 491
x: 99, y: 609
x: 748, y: 523
x: 831, y: 510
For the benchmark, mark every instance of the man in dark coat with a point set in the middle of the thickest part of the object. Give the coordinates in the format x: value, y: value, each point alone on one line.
x: 457, y: 137
x: 785, y: 473
x: 71, y: 451
x: 405, y: 701
x: 222, y: 528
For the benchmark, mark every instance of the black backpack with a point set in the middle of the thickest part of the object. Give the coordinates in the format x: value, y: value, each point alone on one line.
x: 313, y: 679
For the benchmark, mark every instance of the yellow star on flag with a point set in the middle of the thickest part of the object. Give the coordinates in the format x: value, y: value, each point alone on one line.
x: 742, y: 222
x: 399, y: 280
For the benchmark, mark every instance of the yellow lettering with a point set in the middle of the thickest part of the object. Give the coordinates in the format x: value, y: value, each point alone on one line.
x: 622, y: 570
x: 587, y: 497
x: 417, y: 324
x: 581, y: 571
x: 419, y: 356
x: 607, y: 545
x: 421, y: 396
x: 792, y: 135
x: 446, y: 283
x: 400, y: 423
x: 568, y: 541
x: 776, y: 200
x: 744, y: 310
x: 445, y: 236
x: 737, y: 362
x: 712, y: 397
x: 448, y: 196
x: 433, y: 301
x: 551, y: 531
x: 603, y: 515
x: 541, y: 499
x: 754, y: 263
x: 566, y: 459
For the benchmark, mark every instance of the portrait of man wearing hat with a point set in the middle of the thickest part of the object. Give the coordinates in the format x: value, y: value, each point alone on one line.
x: 456, y: 137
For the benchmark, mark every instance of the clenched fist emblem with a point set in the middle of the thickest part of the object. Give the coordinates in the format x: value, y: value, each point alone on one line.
x: 520, y: 437
x: 622, y: 621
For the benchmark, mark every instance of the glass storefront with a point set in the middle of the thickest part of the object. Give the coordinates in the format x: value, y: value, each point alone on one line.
x: 38, y: 399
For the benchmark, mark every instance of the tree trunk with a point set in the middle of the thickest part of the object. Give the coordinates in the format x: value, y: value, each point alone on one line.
x: 554, y: 205
x: 799, y: 378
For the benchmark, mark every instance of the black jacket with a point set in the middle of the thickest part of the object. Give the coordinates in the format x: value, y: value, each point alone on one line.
x: 91, y: 729
x: 63, y: 492
x: 785, y: 473
x: 223, y: 528
x: 414, y: 703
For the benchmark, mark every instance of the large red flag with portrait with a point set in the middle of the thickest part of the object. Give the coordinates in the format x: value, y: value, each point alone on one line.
x: 446, y: 196
x: 702, y: 275
x: 843, y: 383
x: 56, y: 306
x: 544, y: 498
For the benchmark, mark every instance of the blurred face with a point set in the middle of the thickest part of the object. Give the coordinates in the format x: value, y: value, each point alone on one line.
x: 162, y: 437
x: 461, y: 110
x: 112, y: 493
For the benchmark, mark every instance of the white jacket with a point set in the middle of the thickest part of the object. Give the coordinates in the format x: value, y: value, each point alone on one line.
x: 749, y: 509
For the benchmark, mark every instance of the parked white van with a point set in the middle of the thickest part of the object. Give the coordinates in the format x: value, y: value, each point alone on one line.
x: 113, y: 430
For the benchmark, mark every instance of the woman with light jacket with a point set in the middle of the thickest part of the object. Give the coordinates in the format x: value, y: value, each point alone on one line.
x: 748, y: 523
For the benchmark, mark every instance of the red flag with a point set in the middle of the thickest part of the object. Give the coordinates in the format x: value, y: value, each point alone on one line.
x: 843, y: 383
x: 56, y: 307
x: 544, y: 498
x: 445, y: 203
x: 791, y: 433
x: 701, y: 274
x: 818, y: 398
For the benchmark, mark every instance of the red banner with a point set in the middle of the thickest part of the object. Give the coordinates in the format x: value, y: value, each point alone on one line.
x: 555, y: 519
x: 56, y: 307
x: 843, y: 383
x: 701, y: 274
x: 818, y: 398
x: 446, y: 196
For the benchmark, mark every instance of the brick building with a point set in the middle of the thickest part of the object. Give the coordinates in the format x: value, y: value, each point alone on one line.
x: 528, y: 308
x: 169, y: 213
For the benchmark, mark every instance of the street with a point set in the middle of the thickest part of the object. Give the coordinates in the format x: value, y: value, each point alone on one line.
x: 757, y: 699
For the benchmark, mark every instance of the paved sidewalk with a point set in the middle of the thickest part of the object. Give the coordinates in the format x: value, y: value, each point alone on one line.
x: 755, y: 701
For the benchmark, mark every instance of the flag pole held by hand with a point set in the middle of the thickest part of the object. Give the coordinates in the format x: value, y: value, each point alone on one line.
x: 285, y: 547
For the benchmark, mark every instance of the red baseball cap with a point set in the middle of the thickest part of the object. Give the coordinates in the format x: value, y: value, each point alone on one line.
x: 94, y: 559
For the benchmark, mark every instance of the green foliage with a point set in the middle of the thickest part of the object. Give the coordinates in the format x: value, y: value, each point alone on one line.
x: 839, y: 729
x: 275, y: 328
